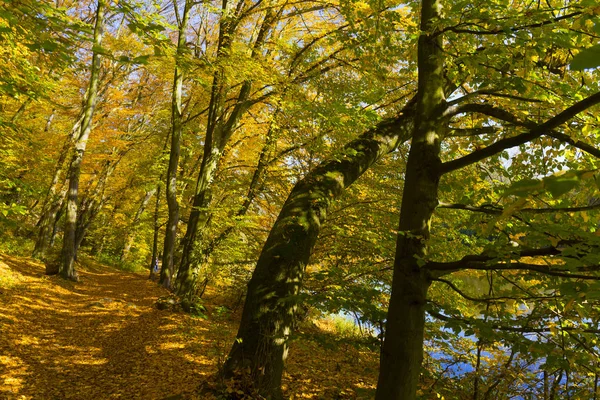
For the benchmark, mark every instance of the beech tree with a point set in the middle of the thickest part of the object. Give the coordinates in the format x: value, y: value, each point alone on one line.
x: 68, y: 253
x: 478, y: 121
x: 167, y: 270
x: 276, y: 73
x: 267, y: 319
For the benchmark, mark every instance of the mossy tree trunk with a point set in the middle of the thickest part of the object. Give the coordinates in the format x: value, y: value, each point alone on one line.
x: 402, y: 351
x: 167, y: 270
x: 262, y: 340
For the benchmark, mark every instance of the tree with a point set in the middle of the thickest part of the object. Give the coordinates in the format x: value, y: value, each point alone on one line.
x: 167, y: 270
x: 276, y: 75
x: 272, y: 292
x: 68, y: 253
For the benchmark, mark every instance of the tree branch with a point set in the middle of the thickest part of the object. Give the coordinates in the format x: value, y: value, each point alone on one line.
x: 517, y: 329
x: 447, y: 268
x: 488, y: 209
x: 575, y: 143
x: 463, y: 132
x: 513, y: 29
x: 488, y: 299
x: 534, y: 132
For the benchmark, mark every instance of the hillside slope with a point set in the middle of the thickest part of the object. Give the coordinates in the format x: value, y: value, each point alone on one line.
x: 103, y: 338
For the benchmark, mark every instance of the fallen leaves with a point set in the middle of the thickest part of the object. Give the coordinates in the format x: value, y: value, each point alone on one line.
x: 103, y: 338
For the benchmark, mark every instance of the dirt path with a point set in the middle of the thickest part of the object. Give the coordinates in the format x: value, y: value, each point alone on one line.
x: 102, y: 338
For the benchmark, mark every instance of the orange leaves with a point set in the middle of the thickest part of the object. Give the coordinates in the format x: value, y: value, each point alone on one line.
x: 104, y: 338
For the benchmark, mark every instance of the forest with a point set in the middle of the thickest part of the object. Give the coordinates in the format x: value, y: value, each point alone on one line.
x: 287, y: 199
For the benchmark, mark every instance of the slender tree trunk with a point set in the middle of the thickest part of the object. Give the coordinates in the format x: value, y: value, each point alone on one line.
x: 262, y: 340
x: 67, y: 269
x: 167, y: 271
x: 49, y: 120
x: 218, y: 133
x: 156, y: 226
x: 546, y: 386
x: 402, y: 352
x: 129, y: 236
x: 94, y: 202
x: 555, y: 384
x: 256, y: 184
x: 186, y: 278
x: 59, y: 214
x: 54, y: 198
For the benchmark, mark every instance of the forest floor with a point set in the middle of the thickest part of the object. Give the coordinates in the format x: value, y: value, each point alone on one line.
x: 103, y: 338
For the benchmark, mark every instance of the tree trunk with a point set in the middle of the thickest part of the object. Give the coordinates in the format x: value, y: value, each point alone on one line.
x: 263, y: 336
x: 186, y: 278
x: 67, y: 270
x: 402, y: 352
x: 54, y: 198
x: 155, y: 256
x: 218, y: 132
x: 129, y: 236
x: 167, y: 270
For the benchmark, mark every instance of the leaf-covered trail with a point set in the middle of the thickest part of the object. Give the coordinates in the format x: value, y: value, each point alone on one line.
x: 100, y: 338
x: 103, y: 338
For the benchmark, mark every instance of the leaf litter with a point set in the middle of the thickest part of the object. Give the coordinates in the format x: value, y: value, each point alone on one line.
x: 103, y: 338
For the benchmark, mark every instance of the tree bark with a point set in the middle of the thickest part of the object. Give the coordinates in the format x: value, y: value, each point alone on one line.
x: 167, y: 270
x: 156, y: 227
x: 402, y: 352
x: 218, y: 132
x: 67, y: 269
x: 262, y: 340
x: 54, y: 198
x: 136, y: 219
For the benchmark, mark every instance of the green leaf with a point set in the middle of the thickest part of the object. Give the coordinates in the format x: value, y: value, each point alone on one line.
x: 586, y: 58
x: 49, y: 45
x: 101, y: 50
x: 141, y: 59
x: 524, y: 187
x: 572, y: 288
x: 561, y: 184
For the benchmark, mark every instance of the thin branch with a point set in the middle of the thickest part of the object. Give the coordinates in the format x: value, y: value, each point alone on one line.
x: 446, y: 268
x: 518, y: 329
x: 513, y: 29
x: 492, y: 93
x: 485, y: 109
x: 523, y: 138
x: 489, y: 209
x: 463, y: 132
x: 575, y: 143
x: 488, y: 299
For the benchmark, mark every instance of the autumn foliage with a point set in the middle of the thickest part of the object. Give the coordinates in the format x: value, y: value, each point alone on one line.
x: 346, y: 199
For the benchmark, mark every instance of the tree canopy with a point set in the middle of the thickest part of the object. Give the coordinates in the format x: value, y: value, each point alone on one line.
x: 426, y: 169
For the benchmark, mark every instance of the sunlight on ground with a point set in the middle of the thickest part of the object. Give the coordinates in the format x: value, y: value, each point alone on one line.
x: 103, y: 338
